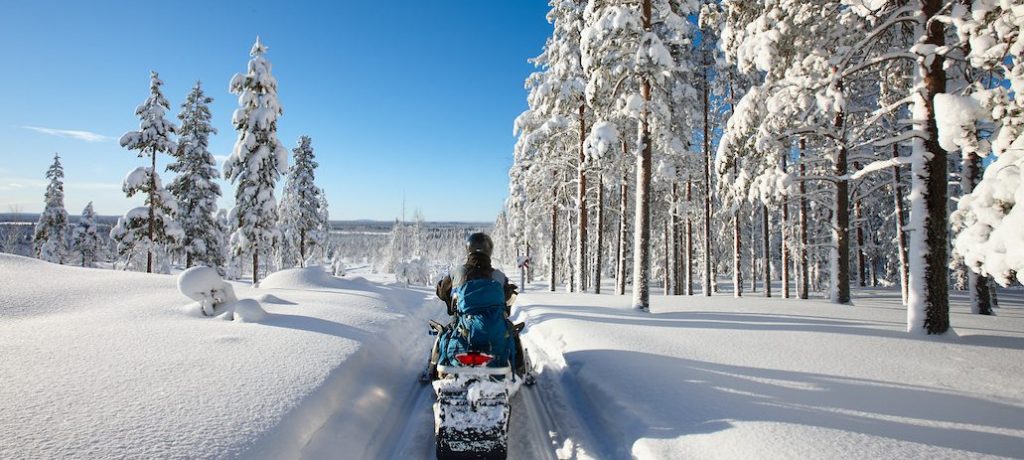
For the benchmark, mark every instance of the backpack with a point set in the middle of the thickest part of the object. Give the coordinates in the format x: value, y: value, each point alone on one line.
x: 481, y: 324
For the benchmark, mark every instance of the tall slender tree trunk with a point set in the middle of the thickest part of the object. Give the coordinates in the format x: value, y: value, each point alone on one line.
x: 689, y: 239
x: 784, y: 233
x: 600, y: 234
x: 674, y: 213
x: 862, y: 262
x: 841, y: 220
x: 552, y: 280
x: 767, y: 251
x: 529, y: 270
x: 152, y: 213
x: 256, y: 265
x: 901, y: 223
x: 642, y: 238
x: 929, y: 292
x: 666, y: 276
x: 620, y: 263
x: 737, y: 253
x: 977, y: 285
x: 302, y: 247
x: 707, y: 180
x: 581, y: 209
x: 805, y: 275
x: 753, y: 250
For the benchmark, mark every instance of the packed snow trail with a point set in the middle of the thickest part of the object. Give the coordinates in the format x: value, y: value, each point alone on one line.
x: 388, y: 412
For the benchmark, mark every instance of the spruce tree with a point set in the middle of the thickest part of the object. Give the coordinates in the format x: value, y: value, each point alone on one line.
x: 300, y: 207
x: 151, y: 227
x: 194, y: 187
x: 48, y: 240
x: 258, y: 158
x: 85, y: 241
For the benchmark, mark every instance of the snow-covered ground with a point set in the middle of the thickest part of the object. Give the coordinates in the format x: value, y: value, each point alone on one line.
x: 105, y: 364
x: 771, y: 378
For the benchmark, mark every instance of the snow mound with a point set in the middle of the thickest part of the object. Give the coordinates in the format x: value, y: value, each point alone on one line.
x: 269, y: 298
x: 314, y: 277
x: 248, y: 311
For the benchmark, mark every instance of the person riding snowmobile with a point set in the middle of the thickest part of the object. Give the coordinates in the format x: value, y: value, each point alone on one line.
x: 478, y: 299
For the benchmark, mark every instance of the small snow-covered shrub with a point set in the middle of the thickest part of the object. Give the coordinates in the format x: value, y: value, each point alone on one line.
x: 204, y: 285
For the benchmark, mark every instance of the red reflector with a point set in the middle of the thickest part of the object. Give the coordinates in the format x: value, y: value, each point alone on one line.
x: 473, y: 358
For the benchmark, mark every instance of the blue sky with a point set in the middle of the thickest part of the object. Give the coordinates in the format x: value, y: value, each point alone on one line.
x: 402, y: 98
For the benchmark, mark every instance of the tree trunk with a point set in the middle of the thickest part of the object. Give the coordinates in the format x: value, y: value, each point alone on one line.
x: 858, y: 215
x: 753, y: 251
x: 600, y: 234
x: 783, y: 232
x: 901, y: 223
x: 152, y: 214
x: 767, y: 251
x: 620, y: 263
x: 929, y: 261
x: 977, y: 285
x: 529, y: 270
x: 805, y: 275
x: 666, y: 284
x: 841, y: 221
x: 255, y: 266
x: 554, y: 241
x: 642, y: 238
x: 581, y: 210
x: 674, y: 213
x: 707, y: 181
x: 302, y: 247
x: 689, y: 240
x: 737, y: 254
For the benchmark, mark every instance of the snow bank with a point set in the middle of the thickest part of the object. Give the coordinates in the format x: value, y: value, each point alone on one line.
x: 773, y: 378
x: 101, y: 364
x: 305, y: 278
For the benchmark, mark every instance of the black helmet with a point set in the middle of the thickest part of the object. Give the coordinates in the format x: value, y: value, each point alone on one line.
x: 479, y: 243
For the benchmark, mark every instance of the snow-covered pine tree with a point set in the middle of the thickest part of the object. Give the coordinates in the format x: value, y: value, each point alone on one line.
x: 194, y: 187
x: 85, y: 241
x: 989, y: 216
x: 322, y: 235
x: 258, y: 158
x: 299, y: 211
x: 50, y: 237
x: 152, y: 138
x: 149, y: 229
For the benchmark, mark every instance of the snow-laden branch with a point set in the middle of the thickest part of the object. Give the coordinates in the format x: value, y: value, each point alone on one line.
x: 880, y: 165
x: 906, y: 136
x: 878, y: 60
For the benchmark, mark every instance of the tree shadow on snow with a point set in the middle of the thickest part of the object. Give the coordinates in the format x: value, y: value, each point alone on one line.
x: 758, y: 322
x: 315, y: 325
x: 683, y: 397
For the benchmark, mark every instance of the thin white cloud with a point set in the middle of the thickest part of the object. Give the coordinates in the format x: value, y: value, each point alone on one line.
x: 72, y: 133
x: 18, y: 183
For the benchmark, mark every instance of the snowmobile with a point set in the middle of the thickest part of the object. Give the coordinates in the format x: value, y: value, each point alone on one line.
x: 472, y: 410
